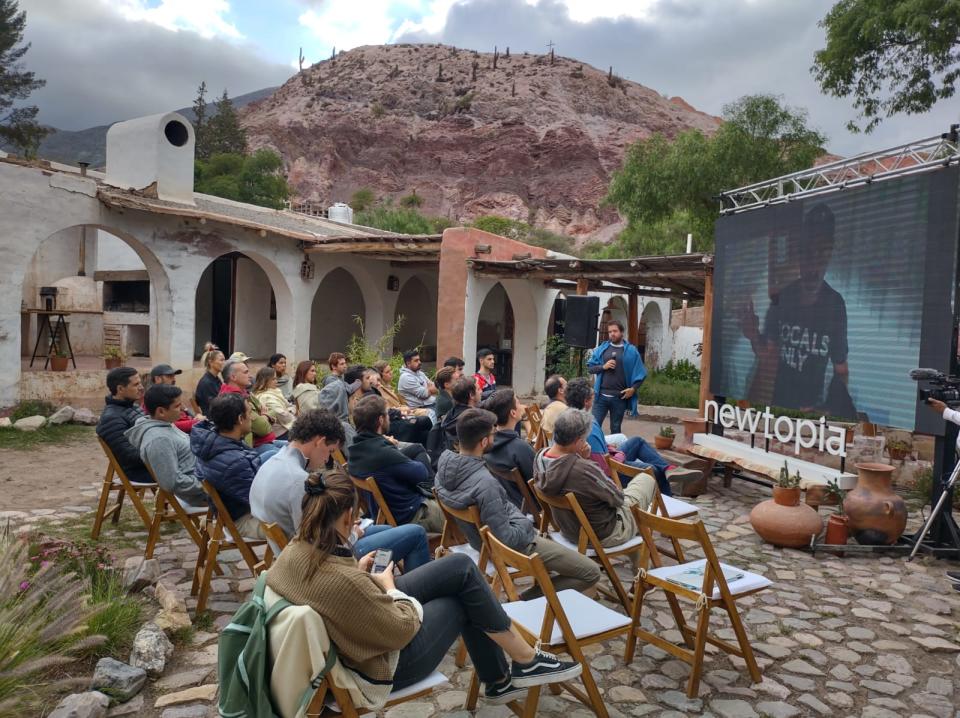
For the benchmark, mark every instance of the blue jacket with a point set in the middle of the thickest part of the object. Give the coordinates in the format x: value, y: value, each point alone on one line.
x: 633, y: 368
x: 228, y: 464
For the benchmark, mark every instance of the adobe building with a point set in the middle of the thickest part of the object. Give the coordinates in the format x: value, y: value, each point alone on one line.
x: 140, y: 261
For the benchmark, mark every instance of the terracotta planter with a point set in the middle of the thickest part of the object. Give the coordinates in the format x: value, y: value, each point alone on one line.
x: 898, y: 454
x: 59, y: 363
x: 876, y: 515
x: 663, y: 442
x: 817, y: 496
x: 837, y: 530
x: 784, y: 521
x: 112, y: 362
x: 691, y: 427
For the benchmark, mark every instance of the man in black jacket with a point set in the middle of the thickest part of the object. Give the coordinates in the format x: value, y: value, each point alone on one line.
x: 466, y: 395
x: 121, y: 412
x: 508, y: 451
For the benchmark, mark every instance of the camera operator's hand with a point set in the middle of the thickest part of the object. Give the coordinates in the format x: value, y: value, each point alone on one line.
x: 937, y: 405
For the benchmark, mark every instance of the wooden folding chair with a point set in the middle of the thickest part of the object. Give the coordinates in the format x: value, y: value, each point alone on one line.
x: 535, y: 418
x: 715, y: 591
x: 665, y: 505
x: 223, y: 535
x: 562, y: 622
x: 331, y: 700
x: 369, y: 484
x: 530, y: 506
x: 169, y: 509
x: 588, y: 543
x: 339, y: 457
x: 116, y: 480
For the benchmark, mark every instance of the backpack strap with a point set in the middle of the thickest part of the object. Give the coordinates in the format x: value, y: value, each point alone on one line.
x: 315, y: 682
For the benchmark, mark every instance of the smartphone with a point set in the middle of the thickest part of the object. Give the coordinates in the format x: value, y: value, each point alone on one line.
x: 381, y: 560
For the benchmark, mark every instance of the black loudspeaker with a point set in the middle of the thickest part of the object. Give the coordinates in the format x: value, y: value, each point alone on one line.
x: 581, y: 316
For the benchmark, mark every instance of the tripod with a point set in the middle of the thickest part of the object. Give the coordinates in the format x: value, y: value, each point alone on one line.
x: 946, y: 495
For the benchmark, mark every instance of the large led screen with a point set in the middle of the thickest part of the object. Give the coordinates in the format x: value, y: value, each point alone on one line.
x: 825, y: 304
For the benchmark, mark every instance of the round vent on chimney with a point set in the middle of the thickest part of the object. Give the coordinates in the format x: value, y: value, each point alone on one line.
x: 176, y: 133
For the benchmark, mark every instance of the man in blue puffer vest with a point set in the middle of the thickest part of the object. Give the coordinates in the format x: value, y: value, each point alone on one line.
x: 226, y: 461
x: 619, y: 372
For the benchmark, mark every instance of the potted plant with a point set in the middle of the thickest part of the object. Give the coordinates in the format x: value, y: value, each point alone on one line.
x: 112, y: 357
x: 59, y: 359
x: 898, y: 449
x: 837, y: 530
x: 783, y: 520
x: 786, y: 491
x: 664, y: 440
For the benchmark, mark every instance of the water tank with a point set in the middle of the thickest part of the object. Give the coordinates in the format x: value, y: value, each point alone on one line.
x: 340, y: 212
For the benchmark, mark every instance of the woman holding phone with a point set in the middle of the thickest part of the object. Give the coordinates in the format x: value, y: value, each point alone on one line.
x: 392, y: 631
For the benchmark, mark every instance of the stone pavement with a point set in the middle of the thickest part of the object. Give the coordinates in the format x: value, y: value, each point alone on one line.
x: 854, y: 636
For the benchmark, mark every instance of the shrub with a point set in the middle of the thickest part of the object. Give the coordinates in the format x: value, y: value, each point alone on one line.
x: 31, y: 407
x: 362, y: 199
x: 523, y: 232
x: 402, y: 220
x: 376, y: 109
x: 682, y: 371
x: 361, y: 351
x: 562, y: 359
x: 658, y: 390
x: 411, y: 201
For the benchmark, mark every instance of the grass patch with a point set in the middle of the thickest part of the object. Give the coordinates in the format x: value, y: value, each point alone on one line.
x: 203, y: 622
x: 32, y: 407
x: 61, y: 434
x: 118, y: 616
x: 183, y: 636
x: 661, y: 390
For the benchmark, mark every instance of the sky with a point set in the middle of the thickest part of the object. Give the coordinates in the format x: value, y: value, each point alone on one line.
x: 109, y: 60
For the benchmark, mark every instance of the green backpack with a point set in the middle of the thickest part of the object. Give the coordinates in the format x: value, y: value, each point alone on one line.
x: 243, y: 660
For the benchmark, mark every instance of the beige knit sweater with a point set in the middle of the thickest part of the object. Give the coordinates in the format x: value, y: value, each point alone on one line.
x: 365, y: 623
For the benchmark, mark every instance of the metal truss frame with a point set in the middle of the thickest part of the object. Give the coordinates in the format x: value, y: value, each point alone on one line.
x: 911, y: 158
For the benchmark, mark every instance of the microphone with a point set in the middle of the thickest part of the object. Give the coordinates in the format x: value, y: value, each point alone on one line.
x: 925, y: 374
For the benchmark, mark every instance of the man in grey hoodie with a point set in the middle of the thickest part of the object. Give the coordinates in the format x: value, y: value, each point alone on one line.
x: 413, y: 385
x: 164, y: 448
x: 463, y: 480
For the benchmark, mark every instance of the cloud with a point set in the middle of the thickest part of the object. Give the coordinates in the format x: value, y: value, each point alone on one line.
x: 709, y: 53
x: 102, y: 67
x: 204, y: 17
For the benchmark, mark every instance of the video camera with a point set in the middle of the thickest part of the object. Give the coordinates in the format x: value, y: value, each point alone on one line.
x: 942, y: 387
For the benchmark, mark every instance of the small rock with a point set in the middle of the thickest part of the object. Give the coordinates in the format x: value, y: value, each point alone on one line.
x: 169, y: 598
x: 680, y: 701
x: 802, y: 667
x: 134, y: 705
x: 171, y: 621
x: 195, y: 711
x: 84, y: 416
x: 32, y: 423
x: 733, y: 709
x: 198, y: 693
x: 5, y: 423
x: 151, y: 650
x: 626, y: 694
x: 889, y: 689
x: 91, y: 704
x: 138, y: 573
x: 940, y: 686
x: 777, y: 709
x: 120, y: 681
x: 61, y: 416
x: 935, y: 644
x: 895, y: 663
x: 816, y: 704
x: 184, y: 679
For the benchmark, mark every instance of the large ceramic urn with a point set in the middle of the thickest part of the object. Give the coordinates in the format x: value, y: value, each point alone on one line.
x: 877, y: 516
x: 784, y: 521
x: 690, y: 427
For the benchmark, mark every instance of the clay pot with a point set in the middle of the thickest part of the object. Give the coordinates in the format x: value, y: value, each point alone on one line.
x: 817, y: 496
x: 662, y: 442
x: 784, y: 521
x: 876, y: 515
x: 691, y: 427
x: 112, y: 362
x: 58, y: 363
x: 837, y: 530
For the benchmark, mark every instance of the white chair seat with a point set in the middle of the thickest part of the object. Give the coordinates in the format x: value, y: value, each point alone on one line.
x: 677, y: 509
x: 748, y: 582
x: 587, y: 617
x: 559, y: 538
x: 135, y: 484
x: 470, y: 551
x: 429, y: 683
x: 191, y: 510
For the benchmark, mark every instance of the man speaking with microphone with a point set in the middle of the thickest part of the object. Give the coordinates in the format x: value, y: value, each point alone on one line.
x: 619, y: 372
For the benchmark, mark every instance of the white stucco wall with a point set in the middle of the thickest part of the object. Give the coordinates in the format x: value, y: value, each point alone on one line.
x: 685, y: 340
x: 113, y: 254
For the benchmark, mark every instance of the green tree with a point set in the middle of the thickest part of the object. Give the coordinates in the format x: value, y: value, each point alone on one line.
x: 401, y: 220
x: 255, y: 179
x: 891, y: 56
x: 200, y: 123
x: 523, y: 232
x: 225, y: 135
x: 18, y: 125
x: 362, y: 199
x: 411, y: 201
x: 662, y: 183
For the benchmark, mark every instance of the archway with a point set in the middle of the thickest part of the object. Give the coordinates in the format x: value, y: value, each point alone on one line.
x: 495, y: 330
x: 236, y: 307
x: 616, y: 310
x: 419, y: 314
x: 337, y: 302
x: 651, y: 335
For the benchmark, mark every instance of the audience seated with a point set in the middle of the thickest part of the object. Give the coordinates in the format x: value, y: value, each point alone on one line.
x: 166, y: 374
x: 444, y: 379
x: 237, y: 380
x: 555, y: 387
x: 120, y: 412
x: 487, y: 382
x: 416, y: 390
x: 272, y: 401
x: 278, y: 362
x: 508, y: 450
x: 465, y: 395
x: 208, y: 388
x: 406, y: 424
x: 565, y: 468
x: 385, y: 387
x: 225, y: 461
x: 393, y: 632
x: 368, y: 386
x: 335, y: 397
x: 457, y: 364
x: 337, y: 364
x: 277, y: 493
x: 463, y: 480
x: 398, y: 476
x: 305, y: 389
x: 164, y: 448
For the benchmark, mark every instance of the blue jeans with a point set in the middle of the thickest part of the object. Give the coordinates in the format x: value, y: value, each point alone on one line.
x: 638, y: 452
x: 265, y: 451
x: 408, y: 543
x: 615, y: 405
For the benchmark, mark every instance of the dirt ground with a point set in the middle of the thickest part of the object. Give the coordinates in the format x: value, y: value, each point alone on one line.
x: 49, y: 476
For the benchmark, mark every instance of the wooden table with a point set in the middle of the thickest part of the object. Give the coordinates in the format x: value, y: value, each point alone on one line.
x: 56, y: 330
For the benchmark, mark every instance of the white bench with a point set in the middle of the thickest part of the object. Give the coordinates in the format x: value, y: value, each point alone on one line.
x: 765, y: 463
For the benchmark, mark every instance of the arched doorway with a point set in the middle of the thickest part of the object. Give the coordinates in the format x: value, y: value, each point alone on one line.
x: 236, y: 307
x: 495, y: 330
x: 336, y: 305
x: 419, y: 312
x: 651, y: 335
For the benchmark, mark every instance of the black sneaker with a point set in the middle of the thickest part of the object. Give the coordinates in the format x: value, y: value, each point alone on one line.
x: 954, y: 576
x: 502, y: 693
x: 681, y: 474
x: 544, y: 668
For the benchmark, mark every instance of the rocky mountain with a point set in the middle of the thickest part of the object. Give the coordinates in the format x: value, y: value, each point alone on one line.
x: 528, y: 137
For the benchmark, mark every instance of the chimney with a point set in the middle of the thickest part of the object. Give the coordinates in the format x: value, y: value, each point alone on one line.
x: 83, y: 168
x: 154, y: 154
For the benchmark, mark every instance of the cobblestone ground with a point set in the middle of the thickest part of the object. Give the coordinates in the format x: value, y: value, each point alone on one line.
x: 854, y: 636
